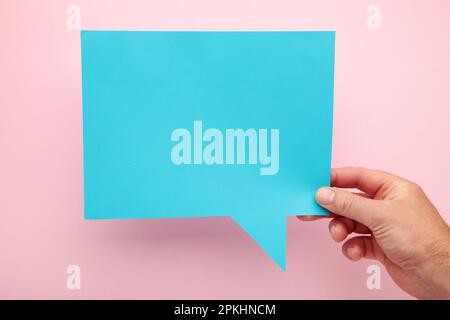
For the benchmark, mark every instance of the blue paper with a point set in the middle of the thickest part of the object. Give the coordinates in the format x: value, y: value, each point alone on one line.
x: 190, y: 124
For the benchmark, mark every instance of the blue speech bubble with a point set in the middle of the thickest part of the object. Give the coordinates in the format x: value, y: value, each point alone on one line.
x: 195, y: 124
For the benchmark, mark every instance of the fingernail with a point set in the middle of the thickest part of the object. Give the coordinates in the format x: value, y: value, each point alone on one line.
x: 334, y: 229
x: 325, y: 195
x: 334, y: 232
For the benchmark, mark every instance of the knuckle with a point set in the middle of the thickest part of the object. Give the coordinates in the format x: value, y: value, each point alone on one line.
x: 346, y: 203
x: 414, y: 187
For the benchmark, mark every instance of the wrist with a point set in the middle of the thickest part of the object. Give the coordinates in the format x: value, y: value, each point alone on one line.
x: 435, y: 270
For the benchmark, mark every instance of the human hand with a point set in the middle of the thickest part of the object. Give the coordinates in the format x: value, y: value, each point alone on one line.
x: 401, y: 228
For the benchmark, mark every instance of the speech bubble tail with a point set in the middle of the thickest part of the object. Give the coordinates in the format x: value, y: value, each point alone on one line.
x: 269, y: 232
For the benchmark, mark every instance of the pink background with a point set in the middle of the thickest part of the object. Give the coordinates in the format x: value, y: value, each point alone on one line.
x: 392, y: 107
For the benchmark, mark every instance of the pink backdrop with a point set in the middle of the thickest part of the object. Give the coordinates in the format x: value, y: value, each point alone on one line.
x: 392, y: 107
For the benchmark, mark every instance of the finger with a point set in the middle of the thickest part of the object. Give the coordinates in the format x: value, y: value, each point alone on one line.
x: 314, y: 218
x: 341, y: 227
x: 362, y: 247
x: 349, y: 205
x: 366, y: 180
x: 352, y: 225
x: 330, y: 215
x: 338, y: 229
x: 361, y: 229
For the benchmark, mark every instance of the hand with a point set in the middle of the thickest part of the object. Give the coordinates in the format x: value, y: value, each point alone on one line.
x: 403, y: 230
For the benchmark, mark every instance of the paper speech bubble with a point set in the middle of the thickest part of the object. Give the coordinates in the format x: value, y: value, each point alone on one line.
x: 194, y: 124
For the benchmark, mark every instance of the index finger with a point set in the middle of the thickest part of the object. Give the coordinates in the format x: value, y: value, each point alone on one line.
x: 366, y: 180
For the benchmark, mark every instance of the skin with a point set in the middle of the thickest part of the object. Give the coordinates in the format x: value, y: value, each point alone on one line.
x: 397, y: 225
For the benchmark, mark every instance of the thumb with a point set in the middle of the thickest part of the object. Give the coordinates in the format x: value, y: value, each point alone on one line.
x: 348, y: 205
